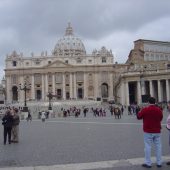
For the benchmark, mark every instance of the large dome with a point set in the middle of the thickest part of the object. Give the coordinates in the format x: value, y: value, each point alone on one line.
x: 69, y: 45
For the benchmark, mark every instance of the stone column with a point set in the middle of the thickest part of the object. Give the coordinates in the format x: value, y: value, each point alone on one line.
x: 127, y: 93
x: 159, y: 91
x: 122, y: 93
x: 9, y: 90
x: 139, y: 95
x: 151, y: 88
x: 96, y: 86
x: 53, y: 83
x: 46, y: 87
x: 167, y: 90
x: 21, y: 92
x: 142, y: 87
x: 75, y: 86
x: 64, y: 87
x: 43, y: 91
x: 71, y: 85
x: 85, y: 85
x: 110, y: 86
x: 32, y: 88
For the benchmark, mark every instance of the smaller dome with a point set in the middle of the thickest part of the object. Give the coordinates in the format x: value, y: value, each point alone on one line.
x: 69, y: 44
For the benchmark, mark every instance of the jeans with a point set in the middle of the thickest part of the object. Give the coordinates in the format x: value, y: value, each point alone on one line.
x: 154, y: 138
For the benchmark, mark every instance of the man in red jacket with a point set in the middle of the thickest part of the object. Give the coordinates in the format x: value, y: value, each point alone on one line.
x: 152, y: 117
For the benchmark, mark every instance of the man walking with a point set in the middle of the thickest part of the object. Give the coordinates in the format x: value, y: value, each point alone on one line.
x: 152, y: 117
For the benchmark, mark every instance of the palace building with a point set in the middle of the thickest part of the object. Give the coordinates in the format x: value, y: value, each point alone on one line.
x: 70, y: 73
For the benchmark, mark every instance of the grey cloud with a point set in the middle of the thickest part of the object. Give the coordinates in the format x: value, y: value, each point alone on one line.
x: 94, y: 18
x: 36, y: 25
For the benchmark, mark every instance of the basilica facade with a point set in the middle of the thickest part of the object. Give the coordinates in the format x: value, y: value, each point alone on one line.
x: 69, y: 73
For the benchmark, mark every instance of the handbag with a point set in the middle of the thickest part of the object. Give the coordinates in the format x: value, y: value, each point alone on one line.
x: 4, y: 122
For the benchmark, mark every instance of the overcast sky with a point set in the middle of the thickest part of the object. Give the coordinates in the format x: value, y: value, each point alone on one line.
x: 36, y: 25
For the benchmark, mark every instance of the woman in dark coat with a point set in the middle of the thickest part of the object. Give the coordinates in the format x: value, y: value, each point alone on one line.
x: 7, y: 121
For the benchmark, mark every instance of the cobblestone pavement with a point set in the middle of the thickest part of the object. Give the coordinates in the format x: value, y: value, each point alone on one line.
x: 82, y: 140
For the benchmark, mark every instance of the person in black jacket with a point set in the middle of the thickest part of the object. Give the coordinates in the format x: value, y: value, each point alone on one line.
x: 7, y: 122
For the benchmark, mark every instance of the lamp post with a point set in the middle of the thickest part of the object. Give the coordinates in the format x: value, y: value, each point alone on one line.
x: 25, y: 87
x: 50, y: 96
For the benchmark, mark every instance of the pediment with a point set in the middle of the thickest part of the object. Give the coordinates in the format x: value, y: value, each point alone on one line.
x: 58, y: 64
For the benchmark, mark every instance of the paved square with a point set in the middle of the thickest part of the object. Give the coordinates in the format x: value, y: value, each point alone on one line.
x: 70, y: 140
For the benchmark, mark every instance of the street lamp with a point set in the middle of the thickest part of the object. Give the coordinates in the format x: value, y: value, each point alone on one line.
x: 50, y: 96
x: 25, y: 87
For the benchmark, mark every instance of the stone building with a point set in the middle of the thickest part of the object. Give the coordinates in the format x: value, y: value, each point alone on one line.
x: 148, y: 73
x: 70, y: 73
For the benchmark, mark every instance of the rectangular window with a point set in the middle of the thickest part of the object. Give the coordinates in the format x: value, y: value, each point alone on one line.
x: 14, y: 63
x: 103, y: 60
x: 37, y: 78
x: 37, y: 62
x: 168, y: 66
x: 78, y: 60
x: 58, y: 78
x: 79, y: 76
x: 14, y: 79
x: 50, y: 78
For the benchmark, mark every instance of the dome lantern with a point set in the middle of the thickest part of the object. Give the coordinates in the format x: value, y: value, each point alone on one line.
x: 69, y: 30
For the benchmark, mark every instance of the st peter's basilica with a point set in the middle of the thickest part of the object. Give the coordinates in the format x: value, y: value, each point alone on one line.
x: 69, y: 73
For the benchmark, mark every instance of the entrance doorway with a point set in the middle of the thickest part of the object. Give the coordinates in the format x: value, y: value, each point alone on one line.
x: 132, y: 92
x: 59, y: 95
x: 38, y: 95
x: 67, y: 95
x: 80, y: 93
x: 14, y: 93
